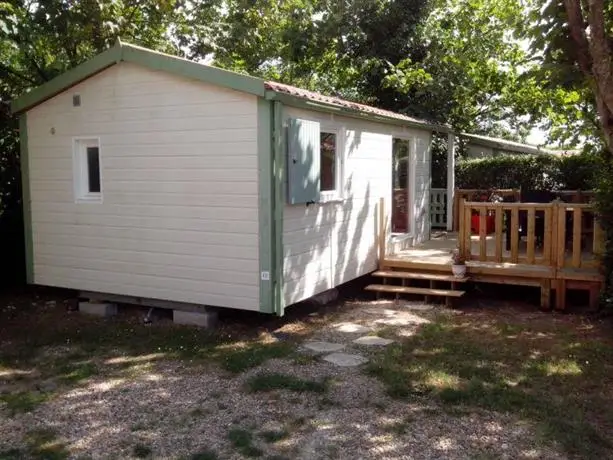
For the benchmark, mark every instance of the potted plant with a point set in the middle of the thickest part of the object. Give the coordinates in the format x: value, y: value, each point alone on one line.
x: 458, y: 263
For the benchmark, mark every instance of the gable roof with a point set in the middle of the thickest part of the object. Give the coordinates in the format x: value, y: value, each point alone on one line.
x: 125, y: 52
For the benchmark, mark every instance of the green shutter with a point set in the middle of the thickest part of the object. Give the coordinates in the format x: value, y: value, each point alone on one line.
x: 303, y: 161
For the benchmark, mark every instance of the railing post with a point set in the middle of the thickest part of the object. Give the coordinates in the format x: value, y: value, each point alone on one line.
x: 498, y: 230
x: 561, y: 235
x: 577, y: 217
x: 382, y: 232
x: 461, y: 229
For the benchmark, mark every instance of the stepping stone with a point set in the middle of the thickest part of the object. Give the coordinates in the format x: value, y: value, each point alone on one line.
x: 346, y: 359
x: 323, y: 347
x: 351, y: 328
x: 373, y: 341
x: 419, y: 306
x: 406, y: 319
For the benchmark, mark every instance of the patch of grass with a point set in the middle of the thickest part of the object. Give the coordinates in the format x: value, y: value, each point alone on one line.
x: 24, y: 401
x: 12, y: 454
x: 240, y: 360
x: 326, y: 403
x: 242, y: 440
x: 274, y: 381
x: 142, y: 451
x: 272, y: 436
x: 43, y: 444
x: 77, y: 372
x: 540, y: 372
x: 206, y: 454
x: 303, y: 359
x: 401, y: 427
x: 197, y: 412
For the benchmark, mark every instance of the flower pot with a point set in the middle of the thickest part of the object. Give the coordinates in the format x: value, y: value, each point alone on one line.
x: 458, y: 270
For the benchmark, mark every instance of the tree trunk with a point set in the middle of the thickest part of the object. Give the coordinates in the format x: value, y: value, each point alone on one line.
x: 594, y: 57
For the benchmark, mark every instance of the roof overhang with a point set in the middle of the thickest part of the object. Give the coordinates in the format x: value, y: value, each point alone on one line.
x: 320, y: 106
x: 505, y: 145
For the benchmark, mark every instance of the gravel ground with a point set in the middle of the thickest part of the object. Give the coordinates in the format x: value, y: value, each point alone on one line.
x: 176, y: 410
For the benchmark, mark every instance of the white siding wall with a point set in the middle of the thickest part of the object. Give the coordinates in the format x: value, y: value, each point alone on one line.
x: 328, y: 244
x: 179, y: 218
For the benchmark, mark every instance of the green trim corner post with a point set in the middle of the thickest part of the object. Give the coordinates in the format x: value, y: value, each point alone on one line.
x: 266, y: 232
x: 25, y: 197
x: 271, y: 164
x: 278, y: 181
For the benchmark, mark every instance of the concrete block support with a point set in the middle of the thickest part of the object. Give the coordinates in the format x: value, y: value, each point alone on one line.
x: 98, y: 308
x: 205, y: 318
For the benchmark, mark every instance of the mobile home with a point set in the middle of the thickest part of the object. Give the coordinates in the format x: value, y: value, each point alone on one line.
x: 154, y: 177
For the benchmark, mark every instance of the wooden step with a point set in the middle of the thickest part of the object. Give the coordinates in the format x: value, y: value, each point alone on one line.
x: 414, y: 290
x: 419, y: 276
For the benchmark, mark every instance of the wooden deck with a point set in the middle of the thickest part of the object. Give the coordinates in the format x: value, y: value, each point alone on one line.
x: 559, y: 252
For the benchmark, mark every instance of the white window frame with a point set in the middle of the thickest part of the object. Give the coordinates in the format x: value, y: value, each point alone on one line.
x: 80, y: 170
x: 411, y: 177
x: 338, y: 193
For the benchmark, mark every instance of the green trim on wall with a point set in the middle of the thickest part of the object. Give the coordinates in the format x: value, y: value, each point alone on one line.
x: 144, y: 57
x: 266, y: 207
x: 67, y: 79
x: 301, y: 103
x: 278, y: 204
x: 25, y: 197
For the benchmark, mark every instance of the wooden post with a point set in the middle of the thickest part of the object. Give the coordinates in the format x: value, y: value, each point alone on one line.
x: 450, y: 180
x: 546, y: 294
x: 561, y: 294
x: 457, y: 215
x: 531, y: 235
x: 382, y: 231
x: 548, y: 237
x: 482, y: 234
x: 461, y: 228
x: 577, y: 214
x: 498, y: 235
x: 561, y: 235
x: 514, y: 235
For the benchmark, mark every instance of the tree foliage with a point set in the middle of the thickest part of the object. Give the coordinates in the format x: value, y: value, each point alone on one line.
x: 576, y: 40
x: 528, y: 172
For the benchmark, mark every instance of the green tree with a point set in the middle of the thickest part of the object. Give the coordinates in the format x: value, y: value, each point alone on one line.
x: 576, y: 41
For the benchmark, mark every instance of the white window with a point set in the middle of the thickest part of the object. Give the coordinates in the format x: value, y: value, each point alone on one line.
x: 87, y: 177
x: 331, y: 156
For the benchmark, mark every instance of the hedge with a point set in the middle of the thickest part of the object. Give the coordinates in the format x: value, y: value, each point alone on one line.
x: 528, y: 172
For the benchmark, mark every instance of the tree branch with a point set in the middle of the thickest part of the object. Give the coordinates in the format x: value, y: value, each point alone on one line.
x: 602, y: 59
x: 576, y: 25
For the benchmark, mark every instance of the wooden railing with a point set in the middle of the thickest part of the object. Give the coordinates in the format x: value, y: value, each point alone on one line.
x: 579, y: 236
x: 460, y: 195
x: 557, y: 234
